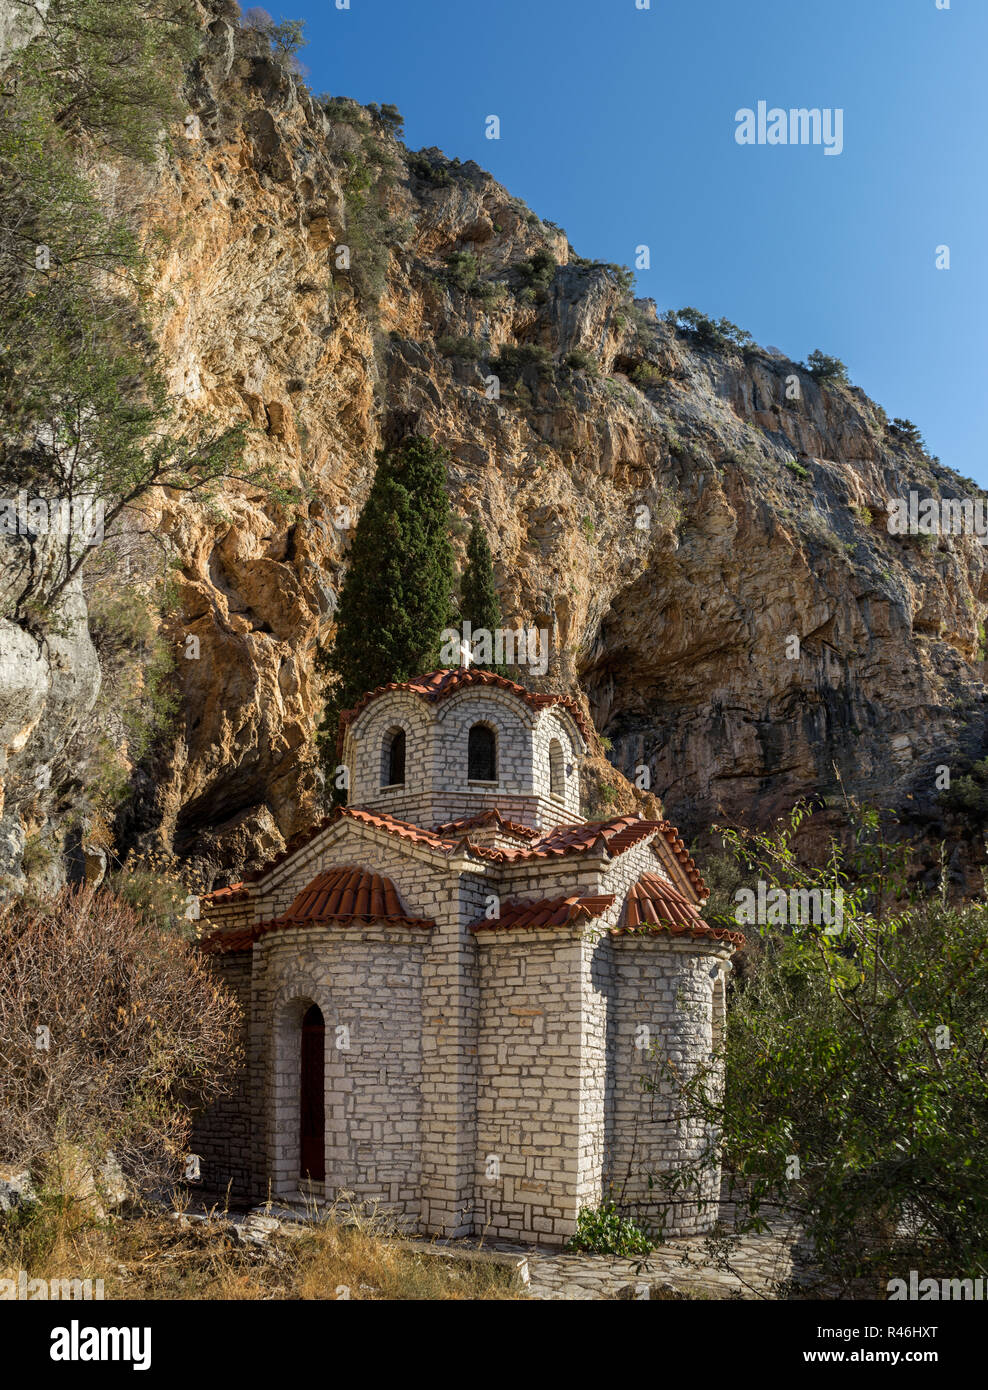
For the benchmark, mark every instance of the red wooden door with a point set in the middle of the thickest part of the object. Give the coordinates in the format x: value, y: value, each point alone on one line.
x: 312, y: 1124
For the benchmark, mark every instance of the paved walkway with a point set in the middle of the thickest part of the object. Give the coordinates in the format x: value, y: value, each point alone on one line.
x: 690, y: 1267
x: 769, y: 1265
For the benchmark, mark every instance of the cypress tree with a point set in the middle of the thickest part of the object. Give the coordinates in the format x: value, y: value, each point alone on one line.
x: 396, y: 597
x: 479, y: 603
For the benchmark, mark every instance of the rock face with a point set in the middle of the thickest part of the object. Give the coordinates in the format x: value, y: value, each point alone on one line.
x: 674, y: 516
x: 20, y: 20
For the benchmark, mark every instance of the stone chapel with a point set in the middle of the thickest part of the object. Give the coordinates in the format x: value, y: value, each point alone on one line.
x: 451, y: 984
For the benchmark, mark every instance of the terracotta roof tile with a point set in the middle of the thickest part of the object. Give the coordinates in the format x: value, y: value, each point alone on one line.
x: 232, y: 893
x: 607, y: 837
x: 341, y: 895
x: 653, y: 904
x: 491, y: 817
x: 537, y: 913
x: 437, y: 685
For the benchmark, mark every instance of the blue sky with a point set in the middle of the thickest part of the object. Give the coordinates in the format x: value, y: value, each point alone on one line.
x: 619, y: 124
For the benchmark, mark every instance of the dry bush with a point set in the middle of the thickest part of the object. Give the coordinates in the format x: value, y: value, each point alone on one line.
x: 140, y: 1035
x: 165, y: 1256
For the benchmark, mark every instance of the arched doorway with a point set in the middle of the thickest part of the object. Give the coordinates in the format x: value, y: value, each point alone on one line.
x: 312, y: 1121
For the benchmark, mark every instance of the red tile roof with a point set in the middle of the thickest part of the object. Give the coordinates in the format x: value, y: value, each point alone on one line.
x: 653, y: 904
x: 609, y: 837
x: 437, y: 685
x: 544, y: 912
x: 342, y: 895
x: 491, y: 817
x: 232, y: 893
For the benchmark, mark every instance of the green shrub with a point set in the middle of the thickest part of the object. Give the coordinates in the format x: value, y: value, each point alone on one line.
x: 825, y: 368
x: 512, y: 363
x: 858, y: 1053
x: 721, y: 335
x: 645, y: 375
x: 602, y: 1231
x: 420, y: 166
x: 797, y: 468
x: 580, y: 361
x: 461, y: 269
x: 467, y: 348
x: 489, y: 291
x: 908, y: 433
x: 538, y: 270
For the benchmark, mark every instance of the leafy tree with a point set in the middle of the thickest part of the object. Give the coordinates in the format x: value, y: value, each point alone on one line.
x: 967, y: 795
x: 856, y: 1095
x: 538, y: 270
x: 909, y: 433
x: 718, y: 334
x: 826, y: 368
x: 111, y: 70
x: 86, y: 411
x: 389, y: 117
x: 396, y: 598
x: 462, y: 269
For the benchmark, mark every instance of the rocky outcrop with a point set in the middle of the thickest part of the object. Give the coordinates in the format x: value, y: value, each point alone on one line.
x: 675, y: 516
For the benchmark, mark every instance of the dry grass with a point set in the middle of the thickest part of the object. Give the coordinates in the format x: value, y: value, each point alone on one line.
x: 161, y: 1255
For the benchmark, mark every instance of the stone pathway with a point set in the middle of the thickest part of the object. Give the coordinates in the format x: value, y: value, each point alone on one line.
x: 688, y: 1267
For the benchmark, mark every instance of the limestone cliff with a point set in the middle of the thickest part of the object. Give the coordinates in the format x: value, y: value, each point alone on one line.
x: 673, y: 514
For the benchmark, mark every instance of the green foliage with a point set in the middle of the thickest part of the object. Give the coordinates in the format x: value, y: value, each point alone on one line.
x: 646, y: 376
x: 908, y: 433
x: 797, y: 468
x: 825, y: 368
x: 967, y: 796
x: 489, y: 291
x: 86, y: 408
x: 389, y: 117
x: 580, y: 361
x: 396, y: 598
x: 461, y: 269
x: 538, y: 270
x: 860, y: 1054
x: 468, y: 348
x: 420, y: 166
x: 720, y: 335
x: 603, y: 1231
x: 512, y: 363
x: 110, y: 70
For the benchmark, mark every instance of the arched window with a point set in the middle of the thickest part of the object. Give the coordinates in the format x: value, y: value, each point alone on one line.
x: 482, y: 754
x: 312, y: 1091
x: 557, y: 775
x: 393, y: 761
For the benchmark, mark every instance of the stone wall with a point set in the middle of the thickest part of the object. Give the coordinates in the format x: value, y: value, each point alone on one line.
x: 367, y: 982
x: 529, y: 1084
x: 223, y: 1137
x: 436, y: 787
x: 663, y: 1011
